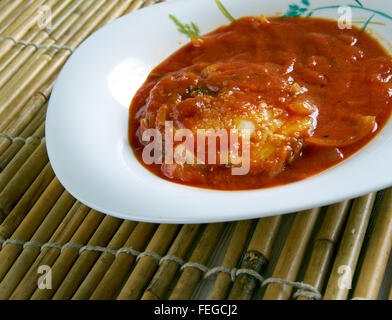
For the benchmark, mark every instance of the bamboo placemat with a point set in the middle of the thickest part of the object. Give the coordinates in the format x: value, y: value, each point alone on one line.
x: 338, y: 252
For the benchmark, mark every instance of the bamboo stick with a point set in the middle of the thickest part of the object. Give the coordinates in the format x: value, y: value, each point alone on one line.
x: 32, y: 129
x: 32, y: 194
x: 60, y: 14
x: 136, y: 4
x: 117, y: 11
x: 257, y: 256
x: 36, y: 102
x: 19, y: 61
x: 12, y: 16
x: 233, y: 254
x: 150, y: 2
x: 45, y: 58
x: 12, y: 54
x: 14, y: 124
x: 27, y: 118
x: 18, y: 161
x: 33, y: 258
x: 107, y: 226
x: 34, y: 217
x: 15, y: 85
x: 16, y: 29
x: 377, y: 253
x: 325, y: 245
x: 87, y: 258
x: 23, y: 178
x: 147, y: 265
x: 10, y: 11
x: 292, y: 254
x: 20, y: 158
x: 3, y: 4
x: 41, y: 235
x: 78, y: 35
x: 41, y: 96
x: 91, y: 24
x: 23, y: 23
x: 31, y: 10
x: 7, y: 6
x: 167, y: 270
x: 189, y: 278
x: 347, y: 256
x: 16, y: 156
x: 390, y: 294
x: 11, y: 116
x: 96, y: 273
x: 74, y: 28
x: 6, y: 143
x: 16, y: 58
x: 49, y: 63
x: 74, y: 21
x: 32, y: 221
x: 116, y: 273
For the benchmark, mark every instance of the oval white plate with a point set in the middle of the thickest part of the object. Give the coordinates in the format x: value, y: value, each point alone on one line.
x: 86, y: 128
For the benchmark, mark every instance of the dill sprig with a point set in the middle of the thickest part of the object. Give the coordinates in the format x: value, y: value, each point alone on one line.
x: 190, y: 30
x: 225, y: 12
x: 367, y: 23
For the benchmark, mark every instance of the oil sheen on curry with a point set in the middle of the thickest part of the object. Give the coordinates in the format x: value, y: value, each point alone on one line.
x: 302, y: 94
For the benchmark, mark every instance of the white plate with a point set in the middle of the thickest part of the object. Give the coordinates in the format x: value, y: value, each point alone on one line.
x: 86, y: 128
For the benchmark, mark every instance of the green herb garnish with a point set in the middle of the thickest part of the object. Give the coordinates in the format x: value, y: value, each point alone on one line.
x: 155, y: 75
x: 190, y: 30
x: 199, y: 92
x: 367, y: 23
x: 224, y: 10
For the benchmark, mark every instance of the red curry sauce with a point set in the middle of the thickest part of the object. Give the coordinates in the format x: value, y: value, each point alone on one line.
x: 311, y: 93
